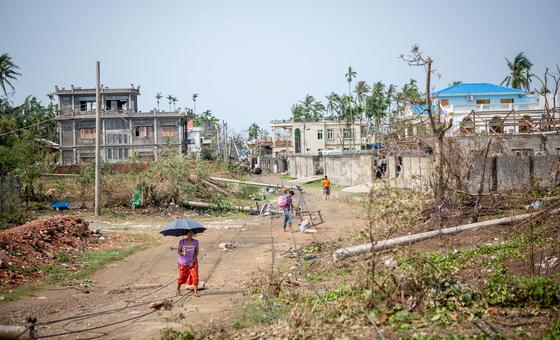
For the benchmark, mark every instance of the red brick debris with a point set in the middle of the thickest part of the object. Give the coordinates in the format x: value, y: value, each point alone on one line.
x: 25, y: 250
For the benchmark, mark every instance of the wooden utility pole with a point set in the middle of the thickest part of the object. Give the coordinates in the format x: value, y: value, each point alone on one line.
x: 97, y: 144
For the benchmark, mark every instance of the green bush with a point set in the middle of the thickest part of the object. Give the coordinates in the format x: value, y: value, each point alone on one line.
x: 523, y: 290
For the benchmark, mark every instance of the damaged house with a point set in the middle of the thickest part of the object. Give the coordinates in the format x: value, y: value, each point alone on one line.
x: 124, y: 130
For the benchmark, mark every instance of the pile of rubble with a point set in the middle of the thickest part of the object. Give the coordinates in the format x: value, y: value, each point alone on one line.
x: 26, y: 249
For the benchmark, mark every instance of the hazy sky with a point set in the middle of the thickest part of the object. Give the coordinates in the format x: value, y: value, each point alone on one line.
x: 251, y: 60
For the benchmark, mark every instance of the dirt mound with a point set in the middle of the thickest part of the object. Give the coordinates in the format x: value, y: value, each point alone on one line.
x: 25, y: 249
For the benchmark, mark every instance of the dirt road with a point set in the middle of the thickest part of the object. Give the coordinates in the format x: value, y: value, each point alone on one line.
x: 117, y: 305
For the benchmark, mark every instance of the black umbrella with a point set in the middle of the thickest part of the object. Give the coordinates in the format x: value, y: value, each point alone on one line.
x: 181, y: 227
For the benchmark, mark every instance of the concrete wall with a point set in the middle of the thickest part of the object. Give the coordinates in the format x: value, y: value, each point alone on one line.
x: 508, y: 144
x: 415, y: 171
x: 273, y: 163
x: 506, y: 167
x: 545, y: 171
x: 501, y: 173
x: 300, y: 166
x: 345, y: 169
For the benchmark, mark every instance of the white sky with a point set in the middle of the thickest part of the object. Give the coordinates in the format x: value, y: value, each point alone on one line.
x: 251, y: 60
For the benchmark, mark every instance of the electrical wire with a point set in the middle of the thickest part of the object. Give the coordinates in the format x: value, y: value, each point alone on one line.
x: 87, y: 316
x: 26, y: 127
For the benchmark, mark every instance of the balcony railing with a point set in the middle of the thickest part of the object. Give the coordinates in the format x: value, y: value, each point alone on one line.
x: 491, y: 107
x: 283, y: 143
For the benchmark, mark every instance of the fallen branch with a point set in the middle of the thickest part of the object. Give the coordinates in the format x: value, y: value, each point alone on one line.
x: 342, y: 253
x: 216, y: 187
x: 194, y: 204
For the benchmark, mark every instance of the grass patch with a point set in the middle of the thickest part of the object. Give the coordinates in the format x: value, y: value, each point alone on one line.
x: 286, y: 177
x: 552, y: 332
x: 171, y: 334
x: 318, y: 185
x: 95, y: 260
x: 259, y: 313
x: 89, y: 261
x: 520, y: 290
x: 451, y: 337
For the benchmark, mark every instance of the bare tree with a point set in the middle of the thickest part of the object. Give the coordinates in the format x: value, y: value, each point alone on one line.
x: 550, y: 112
x: 439, y: 127
x: 556, y: 78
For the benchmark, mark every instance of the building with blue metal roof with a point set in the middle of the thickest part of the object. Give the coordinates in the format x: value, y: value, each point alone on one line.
x: 484, y: 107
x: 465, y: 97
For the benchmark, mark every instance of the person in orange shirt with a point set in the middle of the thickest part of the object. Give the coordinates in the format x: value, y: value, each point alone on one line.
x: 326, y: 187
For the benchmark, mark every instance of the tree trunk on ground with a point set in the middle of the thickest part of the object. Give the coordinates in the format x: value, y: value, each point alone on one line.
x: 343, y: 253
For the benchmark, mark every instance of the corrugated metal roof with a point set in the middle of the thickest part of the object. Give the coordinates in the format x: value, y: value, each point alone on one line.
x: 475, y: 88
x: 418, y: 109
x: 421, y: 109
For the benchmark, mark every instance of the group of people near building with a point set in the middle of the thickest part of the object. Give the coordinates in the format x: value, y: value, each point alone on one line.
x: 380, y: 167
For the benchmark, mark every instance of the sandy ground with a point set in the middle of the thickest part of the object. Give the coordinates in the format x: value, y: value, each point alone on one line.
x: 123, y: 290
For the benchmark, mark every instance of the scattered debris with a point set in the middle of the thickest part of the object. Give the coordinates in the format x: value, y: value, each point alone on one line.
x: 26, y: 250
x: 226, y: 245
x: 533, y: 205
x: 165, y: 304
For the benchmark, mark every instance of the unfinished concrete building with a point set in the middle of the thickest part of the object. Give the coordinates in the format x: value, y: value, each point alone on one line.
x: 125, y: 130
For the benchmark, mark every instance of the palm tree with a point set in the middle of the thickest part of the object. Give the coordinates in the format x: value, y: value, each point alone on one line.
x: 307, y: 105
x: 7, y: 72
x: 333, y: 104
x: 51, y: 97
x: 410, y: 94
x: 361, y: 90
x: 317, y: 110
x: 159, y: 96
x: 378, y: 104
x: 520, y: 72
x: 253, y: 131
x: 174, y: 100
x: 345, y: 107
x: 170, y: 100
x: 297, y: 112
x: 391, y: 90
x: 194, y: 96
x: 350, y: 75
x: 208, y: 118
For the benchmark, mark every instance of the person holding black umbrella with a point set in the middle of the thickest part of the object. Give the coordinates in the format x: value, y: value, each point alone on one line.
x: 188, y: 263
x: 187, y: 250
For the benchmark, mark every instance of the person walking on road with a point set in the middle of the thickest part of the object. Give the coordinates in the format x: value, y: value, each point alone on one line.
x: 188, y: 263
x: 326, y: 187
x: 285, y: 203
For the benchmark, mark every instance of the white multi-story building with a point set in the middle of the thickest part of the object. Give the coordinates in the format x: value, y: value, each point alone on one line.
x: 314, y: 138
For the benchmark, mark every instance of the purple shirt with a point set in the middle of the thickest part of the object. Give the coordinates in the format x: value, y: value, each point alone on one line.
x: 288, y: 202
x: 189, y: 248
